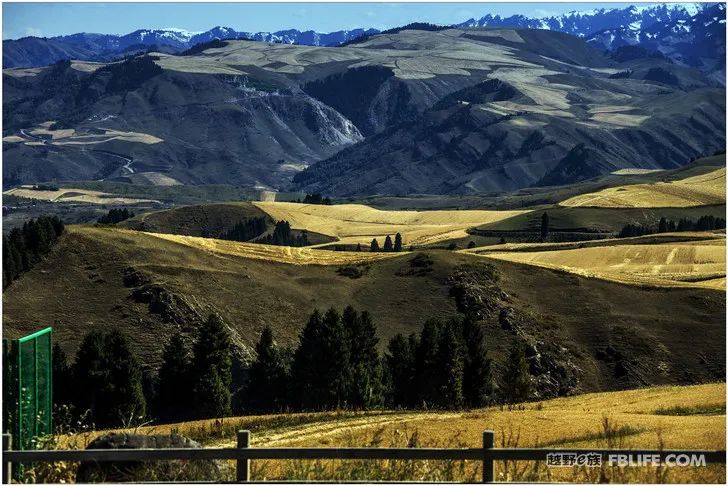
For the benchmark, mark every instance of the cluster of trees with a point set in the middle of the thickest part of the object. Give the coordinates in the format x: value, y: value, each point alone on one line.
x: 316, y: 198
x: 24, y: 247
x: 246, y: 229
x: 388, y: 245
x: 116, y: 216
x: 446, y: 366
x: 334, y: 365
x: 283, y: 236
x: 44, y: 187
x: 106, y: 380
x: 703, y: 223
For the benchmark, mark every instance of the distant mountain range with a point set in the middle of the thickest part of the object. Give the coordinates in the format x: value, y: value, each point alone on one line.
x: 41, y: 51
x: 453, y: 111
x: 650, y: 26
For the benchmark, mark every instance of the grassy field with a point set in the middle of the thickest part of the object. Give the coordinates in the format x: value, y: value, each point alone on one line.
x: 69, y: 194
x: 356, y: 223
x: 687, y: 417
x: 278, y: 254
x: 697, y: 190
x: 698, y: 263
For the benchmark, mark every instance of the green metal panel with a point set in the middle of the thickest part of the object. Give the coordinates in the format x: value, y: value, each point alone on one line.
x: 28, y: 363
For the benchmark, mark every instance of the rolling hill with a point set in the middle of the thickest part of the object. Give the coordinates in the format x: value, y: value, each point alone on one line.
x: 410, y: 112
x: 149, y: 285
x: 699, y: 190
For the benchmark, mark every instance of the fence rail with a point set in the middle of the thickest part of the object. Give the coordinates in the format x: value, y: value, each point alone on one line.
x: 243, y: 454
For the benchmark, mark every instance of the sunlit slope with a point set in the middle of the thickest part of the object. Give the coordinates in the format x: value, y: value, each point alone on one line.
x: 357, y: 223
x: 74, y: 195
x: 273, y: 253
x: 699, y: 190
x: 699, y: 263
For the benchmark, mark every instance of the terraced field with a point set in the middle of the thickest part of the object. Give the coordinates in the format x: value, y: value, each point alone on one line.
x: 642, y: 261
x: 700, y: 190
x: 357, y: 223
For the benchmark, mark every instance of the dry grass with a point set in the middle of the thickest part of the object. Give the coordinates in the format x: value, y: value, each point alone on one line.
x: 69, y: 194
x: 628, y: 419
x: 357, y: 223
x: 280, y: 254
x: 699, y: 263
x: 699, y: 190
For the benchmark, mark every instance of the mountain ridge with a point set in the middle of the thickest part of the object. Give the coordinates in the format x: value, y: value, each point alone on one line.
x: 38, y: 51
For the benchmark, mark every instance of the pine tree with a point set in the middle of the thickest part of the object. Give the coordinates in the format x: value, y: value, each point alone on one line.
x: 108, y: 380
x: 517, y: 382
x: 321, y: 369
x: 477, y: 376
x: 449, y: 370
x: 366, y: 380
x: 212, y: 368
x: 62, y: 377
x: 426, y: 363
x: 544, y: 225
x: 174, y: 383
x: 90, y: 377
x: 266, y: 390
x: 398, y: 242
x: 388, y: 244
x: 124, y: 399
x: 400, y: 363
x: 662, y: 226
x: 374, y: 246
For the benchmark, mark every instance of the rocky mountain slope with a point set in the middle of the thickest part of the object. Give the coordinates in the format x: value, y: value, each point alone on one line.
x: 451, y: 111
x: 697, y: 41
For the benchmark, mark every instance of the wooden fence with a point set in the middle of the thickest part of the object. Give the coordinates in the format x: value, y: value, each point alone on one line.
x: 243, y: 454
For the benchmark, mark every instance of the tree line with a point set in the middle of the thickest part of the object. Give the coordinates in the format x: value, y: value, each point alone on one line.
x: 106, y: 384
x: 116, y: 215
x: 246, y: 230
x: 25, y: 246
x: 315, y: 198
x: 703, y: 223
x: 335, y: 365
x: 388, y: 244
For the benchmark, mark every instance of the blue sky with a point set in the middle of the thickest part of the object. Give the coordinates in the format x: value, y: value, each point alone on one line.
x: 51, y: 19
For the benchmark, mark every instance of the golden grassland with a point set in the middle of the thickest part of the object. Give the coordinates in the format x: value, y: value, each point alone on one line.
x: 698, y: 263
x: 280, y: 254
x: 676, y: 417
x: 358, y: 223
x: 698, y: 190
x: 69, y: 194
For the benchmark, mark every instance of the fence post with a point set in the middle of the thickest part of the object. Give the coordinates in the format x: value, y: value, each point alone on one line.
x: 243, y: 465
x: 488, y: 464
x: 7, y: 466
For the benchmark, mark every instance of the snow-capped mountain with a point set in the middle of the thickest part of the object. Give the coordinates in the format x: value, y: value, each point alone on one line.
x: 697, y: 41
x: 38, y: 51
x: 681, y: 31
x: 582, y: 24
